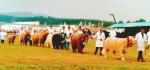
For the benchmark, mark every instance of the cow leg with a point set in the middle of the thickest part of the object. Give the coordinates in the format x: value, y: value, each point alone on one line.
x: 30, y: 42
x: 74, y: 47
x: 122, y: 56
x: 82, y: 47
x: 61, y: 46
x: 43, y: 44
x: 104, y: 52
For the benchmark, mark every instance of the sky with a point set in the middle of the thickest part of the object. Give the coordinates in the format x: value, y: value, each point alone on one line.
x: 90, y: 9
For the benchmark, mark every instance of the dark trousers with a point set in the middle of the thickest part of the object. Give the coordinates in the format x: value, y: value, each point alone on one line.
x: 101, y: 48
x: 30, y: 42
x: 2, y: 41
x: 140, y: 55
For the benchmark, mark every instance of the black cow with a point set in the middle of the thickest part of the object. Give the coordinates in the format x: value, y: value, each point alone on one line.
x: 58, y: 40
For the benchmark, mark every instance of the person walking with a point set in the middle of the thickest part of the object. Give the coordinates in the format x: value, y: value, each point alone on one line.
x: 141, y: 39
x: 49, y: 37
x: 100, y: 37
x: 3, y: 35
x: 68, y: 32
x: 113, y: 33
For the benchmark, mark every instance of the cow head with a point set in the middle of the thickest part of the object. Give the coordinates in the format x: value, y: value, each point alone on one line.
x: 130, y: 41
x: 83, y: 39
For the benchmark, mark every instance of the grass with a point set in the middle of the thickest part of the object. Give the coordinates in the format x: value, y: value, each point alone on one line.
x: 17, y: 57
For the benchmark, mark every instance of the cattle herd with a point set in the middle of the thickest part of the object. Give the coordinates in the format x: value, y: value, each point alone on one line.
x: 52, y: 38
x: 78, y: 38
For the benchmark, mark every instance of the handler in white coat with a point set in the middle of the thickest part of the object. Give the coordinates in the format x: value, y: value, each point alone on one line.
x: 3, y: 35
x: 100, y: 37
x: 69, y: 33
x: 113, y: 33
x: 49, y: 37
x: 141, y: 39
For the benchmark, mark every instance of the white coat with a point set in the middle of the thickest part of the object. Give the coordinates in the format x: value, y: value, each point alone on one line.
x: 100, y: 37
x: 140, y: 41
x: 148, y: 38
x: 68, y: 32
x: 79, y: 32
x: 3, y: 35
x: 112, y: 33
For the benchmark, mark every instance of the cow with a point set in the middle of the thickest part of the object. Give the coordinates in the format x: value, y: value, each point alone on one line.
x: 118, y: 46
x: 35, y: 39
x: 24, y: 38
x: 58, y: 40
x: 78, y: 41
x: 11, y: 38
x: 42, y: 37
x: 21, y: 36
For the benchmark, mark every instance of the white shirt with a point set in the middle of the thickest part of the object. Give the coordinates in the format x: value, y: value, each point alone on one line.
x: 79, y: 32
x: 68, y: 32
x: 148, y: 37
x: 100, y: 37
x: 112, y: 33
x: 141, y: 40
x: 50, y: 31
x: 3, y: 35
x: 62, y: 30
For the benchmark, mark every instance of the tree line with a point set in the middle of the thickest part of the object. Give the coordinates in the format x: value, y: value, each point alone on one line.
x: 138, y: 20
x: 52, y: 20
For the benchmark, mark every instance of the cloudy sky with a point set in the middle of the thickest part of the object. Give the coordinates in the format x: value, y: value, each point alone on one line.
x: 93, y: 9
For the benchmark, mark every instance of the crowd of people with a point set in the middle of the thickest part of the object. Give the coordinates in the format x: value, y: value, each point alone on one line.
x: 62, y: 38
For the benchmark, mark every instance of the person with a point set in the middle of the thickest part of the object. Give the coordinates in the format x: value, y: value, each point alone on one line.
x: 49, y: 37
x: 141, y: 40
x: 31, y: 34
x: 113, y: 33
x: 79, y: 30
x: 100, y: 37
x: 68, y: 32
x: 3, y: 35
x: 148, y: 39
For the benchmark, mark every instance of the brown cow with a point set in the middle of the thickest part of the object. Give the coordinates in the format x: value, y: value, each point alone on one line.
x: 39, y: 38
x: 24, y: 37
x: 78, y: 42
x: 118, y: 46
x: 11, y: 38
x: 42, y: 37
x: 35, y: 39
x: 21, y: 38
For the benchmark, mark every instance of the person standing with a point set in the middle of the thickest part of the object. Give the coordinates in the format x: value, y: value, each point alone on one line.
x: 68, y: 32
x: 100, y: 37
x: 148, y: 39
x: 3, y: 35
x: 141, y: 39
x: 113, y: 33
x: 49, y: 37
x: 79, y: 30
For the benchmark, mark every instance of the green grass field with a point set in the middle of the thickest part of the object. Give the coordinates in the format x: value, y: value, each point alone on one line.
x: 17, y: 57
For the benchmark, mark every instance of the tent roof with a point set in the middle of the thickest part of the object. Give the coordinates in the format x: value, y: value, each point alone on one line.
x: 125, y: 25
